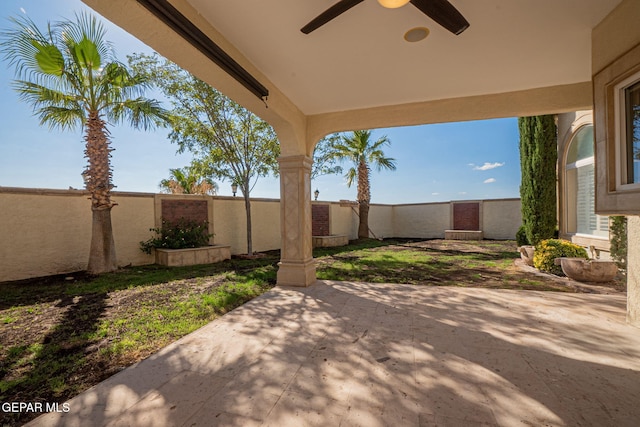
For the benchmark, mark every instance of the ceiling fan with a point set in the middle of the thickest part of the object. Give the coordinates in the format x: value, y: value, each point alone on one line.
x: 440, y: 11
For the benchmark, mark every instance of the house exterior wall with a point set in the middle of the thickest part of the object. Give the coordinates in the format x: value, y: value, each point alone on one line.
x: 616, y: 54
x: 568, y: 125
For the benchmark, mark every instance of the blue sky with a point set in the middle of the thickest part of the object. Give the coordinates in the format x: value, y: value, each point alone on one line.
x: 441, y: 162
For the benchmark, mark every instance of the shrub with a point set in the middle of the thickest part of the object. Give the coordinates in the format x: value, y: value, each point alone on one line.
x: 180, y: 234
x: 618, y: 236
x: 548, y: 250
x: 521, y: 237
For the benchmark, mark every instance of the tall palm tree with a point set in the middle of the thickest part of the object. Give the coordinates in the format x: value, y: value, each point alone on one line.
x: 363, y: 152
x: 70, y: 76
x: 188, y: 181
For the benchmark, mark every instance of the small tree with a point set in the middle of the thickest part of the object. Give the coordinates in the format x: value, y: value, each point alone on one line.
x: 228, y: 141
x: 538, y: 156
x: 70, y: 75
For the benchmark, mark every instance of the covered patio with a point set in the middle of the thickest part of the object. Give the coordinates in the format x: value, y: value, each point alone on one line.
x: 319, y: 353
x: 360, y: 71
x: 358, y: 354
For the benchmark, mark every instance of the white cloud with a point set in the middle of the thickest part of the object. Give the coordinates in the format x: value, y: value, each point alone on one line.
x: 435, y: 194
x: 487, y: 166
x: 462, y: 192
x: 489, y: 181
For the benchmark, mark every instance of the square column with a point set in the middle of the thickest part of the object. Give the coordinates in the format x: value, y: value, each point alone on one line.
x: 296, y: 267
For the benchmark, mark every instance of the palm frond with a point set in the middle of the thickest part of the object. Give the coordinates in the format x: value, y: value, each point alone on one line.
x: 60, y: 117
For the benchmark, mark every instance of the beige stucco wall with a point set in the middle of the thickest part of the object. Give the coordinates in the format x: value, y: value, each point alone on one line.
x: 381, y: 220
x: 230, y: 226
x: 131, y: 220
x: 48, y: 232
x: 501, y: 218
x: 426, y: 220
x: 45, y: 232
x: 344, y: 220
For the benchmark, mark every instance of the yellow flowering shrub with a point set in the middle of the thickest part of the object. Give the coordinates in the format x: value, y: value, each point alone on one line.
x: 548, y: 250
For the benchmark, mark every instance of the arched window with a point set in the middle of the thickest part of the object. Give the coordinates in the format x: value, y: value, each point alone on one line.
x: 580, y: 190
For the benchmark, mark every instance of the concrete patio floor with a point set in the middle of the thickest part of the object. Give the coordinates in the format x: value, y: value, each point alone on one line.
x: 357, y: 354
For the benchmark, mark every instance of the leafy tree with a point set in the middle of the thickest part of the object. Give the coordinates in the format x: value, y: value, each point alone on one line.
x: 228, y: 141
x: 359, y: 149
x: 324, y: 160
x: 70, y: 76
x: 538, y: 156
x: 188, y: 181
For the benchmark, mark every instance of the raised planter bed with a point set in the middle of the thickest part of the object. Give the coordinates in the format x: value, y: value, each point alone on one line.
x: 463, y: 235
x: 192, y: 256
x: 330, y: 241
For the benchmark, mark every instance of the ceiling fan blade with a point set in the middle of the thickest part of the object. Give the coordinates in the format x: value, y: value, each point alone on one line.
x: 443, y: 13
x: 329, y: 14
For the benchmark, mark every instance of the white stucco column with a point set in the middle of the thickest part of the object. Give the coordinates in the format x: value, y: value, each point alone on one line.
x: 297, y: 267
x: 633, y: 270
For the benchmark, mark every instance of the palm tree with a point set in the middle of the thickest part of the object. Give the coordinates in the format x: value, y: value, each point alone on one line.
x: 359, y: 149
x: 71, y: 78
x: 188, y: 181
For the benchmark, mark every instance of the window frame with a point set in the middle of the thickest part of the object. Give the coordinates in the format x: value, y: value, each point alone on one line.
x: 622, y: 141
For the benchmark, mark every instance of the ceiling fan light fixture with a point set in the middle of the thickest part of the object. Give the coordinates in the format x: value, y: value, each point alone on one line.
x: 392, y: 4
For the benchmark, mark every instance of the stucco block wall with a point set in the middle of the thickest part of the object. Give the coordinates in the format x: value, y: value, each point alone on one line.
x: 344, y: 221
x: 381, y: 220
x: 501, y: 218
x: 426, y: 221
x: 230, y: 226
x: 48, y: 232
x: 131, y: 219
x: 45, y: 232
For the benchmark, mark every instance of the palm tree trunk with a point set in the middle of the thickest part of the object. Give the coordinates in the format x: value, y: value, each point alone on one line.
x: 102, y: 253
x: 364, y: 196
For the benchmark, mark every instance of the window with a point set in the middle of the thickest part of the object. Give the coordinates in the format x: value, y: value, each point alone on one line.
x: 580, y: 187
x: 632, y: 131
x: 627, y: 113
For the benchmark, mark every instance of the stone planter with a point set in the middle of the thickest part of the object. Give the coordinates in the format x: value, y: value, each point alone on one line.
x: 330, y: 241
x: 192, y: 256
x: 526, y: 254
x: 588, y: 270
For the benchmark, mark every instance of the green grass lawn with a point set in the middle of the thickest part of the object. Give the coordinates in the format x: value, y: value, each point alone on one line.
x: 61, y: 335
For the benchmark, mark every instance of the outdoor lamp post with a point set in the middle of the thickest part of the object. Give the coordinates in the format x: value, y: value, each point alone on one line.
x: 316, y: 194
x: 234, y: 189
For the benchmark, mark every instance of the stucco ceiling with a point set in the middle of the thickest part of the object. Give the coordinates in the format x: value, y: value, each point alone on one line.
x: 361, y: 60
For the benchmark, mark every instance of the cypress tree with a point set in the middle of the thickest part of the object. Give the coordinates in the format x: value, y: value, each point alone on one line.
x: 538, y: 157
